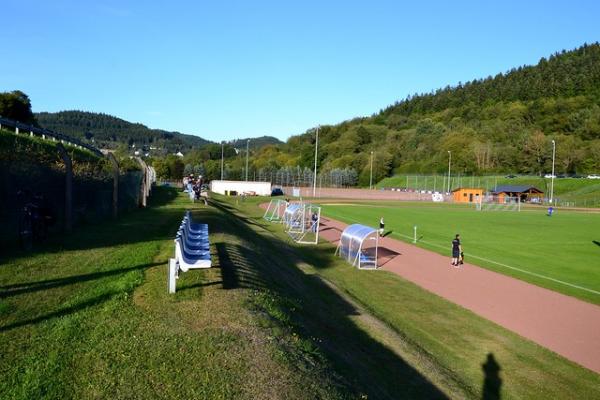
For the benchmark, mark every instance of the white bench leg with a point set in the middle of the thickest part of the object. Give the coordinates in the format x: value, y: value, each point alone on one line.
x: 172, y: 275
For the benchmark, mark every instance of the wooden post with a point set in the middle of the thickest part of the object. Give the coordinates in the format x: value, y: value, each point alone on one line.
x: 68, y: 187
x: 115, y: 199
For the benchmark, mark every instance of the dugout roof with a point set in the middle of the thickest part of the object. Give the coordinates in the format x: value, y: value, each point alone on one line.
x: 517, y: 189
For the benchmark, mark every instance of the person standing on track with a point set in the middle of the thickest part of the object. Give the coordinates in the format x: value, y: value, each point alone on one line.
x: 456, y: 250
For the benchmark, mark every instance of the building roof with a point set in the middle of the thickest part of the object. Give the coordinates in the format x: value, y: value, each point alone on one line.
x: 516, y: 189
x: 465, y: 188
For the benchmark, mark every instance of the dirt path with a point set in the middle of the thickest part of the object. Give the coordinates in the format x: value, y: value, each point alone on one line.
x: 563, y: 324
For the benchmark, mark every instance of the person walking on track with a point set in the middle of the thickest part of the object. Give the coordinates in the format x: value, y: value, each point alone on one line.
x: 456, y: 250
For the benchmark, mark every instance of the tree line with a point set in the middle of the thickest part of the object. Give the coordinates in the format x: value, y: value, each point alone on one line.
x: 498, y: 124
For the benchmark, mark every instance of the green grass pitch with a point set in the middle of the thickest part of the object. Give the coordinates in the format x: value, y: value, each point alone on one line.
x: 561, y: 252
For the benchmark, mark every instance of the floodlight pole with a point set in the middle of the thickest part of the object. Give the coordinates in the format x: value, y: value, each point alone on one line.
x: 552, y: 177
x: 247, y: 147
x: 315, y: 172
x: 449, y: 163
x: 371, y: 175
x: 222, y: 144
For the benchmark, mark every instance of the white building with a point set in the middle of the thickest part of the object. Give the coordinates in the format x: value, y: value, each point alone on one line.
x: 250, y: 187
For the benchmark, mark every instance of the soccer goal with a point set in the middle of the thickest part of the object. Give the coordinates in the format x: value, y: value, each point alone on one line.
x: 275, y: 210
x: 495, y: 203
x: 301, y: 222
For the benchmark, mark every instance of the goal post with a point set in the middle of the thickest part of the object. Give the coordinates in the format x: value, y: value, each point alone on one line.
x: 496, y: 203
x: 302, y: 221
x: 275, y: 210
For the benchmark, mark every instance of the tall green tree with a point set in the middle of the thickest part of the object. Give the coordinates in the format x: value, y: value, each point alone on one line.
x: 16, y: 105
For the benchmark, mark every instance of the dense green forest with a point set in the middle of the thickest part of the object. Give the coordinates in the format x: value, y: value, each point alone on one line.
x: 106, y: 131
x: 255, y: 142
x: 497, y: 124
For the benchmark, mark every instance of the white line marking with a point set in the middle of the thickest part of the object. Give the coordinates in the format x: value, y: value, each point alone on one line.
x: 500, y: 264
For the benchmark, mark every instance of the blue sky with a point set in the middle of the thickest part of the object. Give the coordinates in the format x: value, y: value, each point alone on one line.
x: 233, y: 69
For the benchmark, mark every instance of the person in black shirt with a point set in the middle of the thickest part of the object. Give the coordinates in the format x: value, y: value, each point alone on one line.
x: 456, y: 250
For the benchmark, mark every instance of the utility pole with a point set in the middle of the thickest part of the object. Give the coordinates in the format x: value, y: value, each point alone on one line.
x: 222, y: 144
x: 371, y: 174
x: 247, y: 148
x: 552, y: 177
x: 449, y: 163
x: 315, y: 172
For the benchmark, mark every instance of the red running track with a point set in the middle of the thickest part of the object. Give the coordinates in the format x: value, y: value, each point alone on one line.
x: 563, y: 324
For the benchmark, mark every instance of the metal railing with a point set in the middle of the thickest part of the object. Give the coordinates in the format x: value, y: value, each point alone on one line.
x: 21, y: 128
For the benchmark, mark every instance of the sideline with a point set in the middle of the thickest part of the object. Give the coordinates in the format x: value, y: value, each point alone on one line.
x: 498, y: 263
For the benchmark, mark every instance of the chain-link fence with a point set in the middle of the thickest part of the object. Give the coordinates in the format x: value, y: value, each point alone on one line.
x: 24, y: 183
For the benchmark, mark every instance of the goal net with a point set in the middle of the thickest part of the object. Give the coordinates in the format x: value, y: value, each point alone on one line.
x: 275, y: 210
x: 301, y: 221
x: 497, y: 203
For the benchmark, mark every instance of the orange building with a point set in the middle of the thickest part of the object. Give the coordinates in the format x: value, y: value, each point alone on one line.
x: 467, y: 195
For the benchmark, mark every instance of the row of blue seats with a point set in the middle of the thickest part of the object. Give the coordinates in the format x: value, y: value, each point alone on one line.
x: 192, y: 247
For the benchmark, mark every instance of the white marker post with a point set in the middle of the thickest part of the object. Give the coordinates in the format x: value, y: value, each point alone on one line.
x: 415, y: 234
x: 172, y: 275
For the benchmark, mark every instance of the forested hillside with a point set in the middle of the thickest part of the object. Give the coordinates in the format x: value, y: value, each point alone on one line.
x: 501, y: 124
x: 255, y: 142
x: 106, y: 131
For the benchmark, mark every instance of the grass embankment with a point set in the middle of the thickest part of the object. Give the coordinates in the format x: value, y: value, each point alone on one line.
x: 577, y: 192
x: 438, y: 333
x: 36, y: 147
x: 527, y: 245
x: 92, y: 319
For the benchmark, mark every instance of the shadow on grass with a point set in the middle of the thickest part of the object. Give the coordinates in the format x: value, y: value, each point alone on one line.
x: 491, y: 381
x: 29, y: 287
x: 597, y: 243
x: 266, y: 262
x: 62, y: 312
x: 191, y: 286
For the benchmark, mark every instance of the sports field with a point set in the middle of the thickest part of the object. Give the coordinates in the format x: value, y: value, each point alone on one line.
x: 561, y: 252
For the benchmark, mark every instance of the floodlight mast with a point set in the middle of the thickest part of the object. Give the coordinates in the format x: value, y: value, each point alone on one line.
x: 247, y: 146
x: 371, y: 174
x: 552, y: 177
x: 449, y: 163
x: 315, y: 172
x: 222, y: 144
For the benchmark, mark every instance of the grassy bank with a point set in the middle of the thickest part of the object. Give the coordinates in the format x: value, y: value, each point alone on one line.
x: 89, y: 317
x: 575, y: 192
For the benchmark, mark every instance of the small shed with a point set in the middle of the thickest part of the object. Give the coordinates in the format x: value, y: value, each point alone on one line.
x: 467, y: 195
x: 358, y: 245
x: 522, y: 193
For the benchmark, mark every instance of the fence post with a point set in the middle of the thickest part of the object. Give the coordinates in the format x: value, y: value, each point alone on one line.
x: 68, y: 187
x: 143, y: 191
x: 115, y: 199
